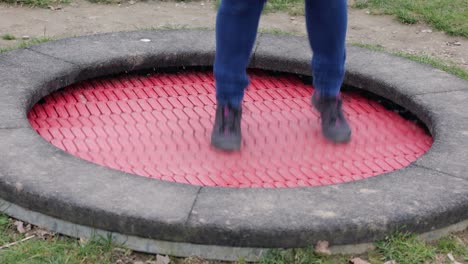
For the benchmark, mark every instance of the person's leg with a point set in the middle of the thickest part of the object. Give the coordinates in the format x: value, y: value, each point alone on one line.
x: 326, y: 25
x: 236, y: 30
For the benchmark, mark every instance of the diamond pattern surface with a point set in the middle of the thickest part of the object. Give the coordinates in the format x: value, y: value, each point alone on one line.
x: 159, y: 126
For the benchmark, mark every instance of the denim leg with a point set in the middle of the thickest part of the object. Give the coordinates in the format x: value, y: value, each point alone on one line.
x: 236, y: 30
x: 326, y: 25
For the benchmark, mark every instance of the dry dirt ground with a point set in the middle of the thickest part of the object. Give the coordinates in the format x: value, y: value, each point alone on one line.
x: 81, y: 18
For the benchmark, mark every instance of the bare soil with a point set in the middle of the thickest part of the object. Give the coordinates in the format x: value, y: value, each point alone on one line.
x: 82, y: 18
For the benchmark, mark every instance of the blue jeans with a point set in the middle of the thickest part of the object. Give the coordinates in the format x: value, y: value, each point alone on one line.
x: 236, y: 30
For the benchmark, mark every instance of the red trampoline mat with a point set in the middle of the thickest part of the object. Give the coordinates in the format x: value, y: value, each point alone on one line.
x: 159, y: 126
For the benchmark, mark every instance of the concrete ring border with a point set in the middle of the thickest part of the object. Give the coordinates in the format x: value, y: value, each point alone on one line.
x: 39, y: 181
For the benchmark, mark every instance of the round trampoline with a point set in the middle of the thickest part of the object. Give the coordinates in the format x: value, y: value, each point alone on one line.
x: 158, y: 125
x: 83, y: 119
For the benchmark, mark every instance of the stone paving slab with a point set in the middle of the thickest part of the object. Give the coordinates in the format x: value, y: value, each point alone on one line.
x: 112, y: 53
x: 43, y: 178
x: 282, y: 53
x: 26, y: 77
x: 361, y: 211
x: 448, y: 115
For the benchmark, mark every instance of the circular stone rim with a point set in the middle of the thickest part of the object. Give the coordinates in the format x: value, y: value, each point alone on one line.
x: 431, y: 193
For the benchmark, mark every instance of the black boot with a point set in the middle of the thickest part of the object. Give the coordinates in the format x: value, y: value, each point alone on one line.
x: 227, y: 128
x: 334, y: 125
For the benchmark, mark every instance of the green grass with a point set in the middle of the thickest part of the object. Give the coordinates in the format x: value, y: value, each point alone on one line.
x: 405, y: 248
x: 25, y: 43
x: 8, y: 37
x: 300, y: 256
x: 447, y: 66
x: 450, y: 16
x: 36, y: 3
x: 454, y: 245
x: 57, y: 249
x: 292, y: 7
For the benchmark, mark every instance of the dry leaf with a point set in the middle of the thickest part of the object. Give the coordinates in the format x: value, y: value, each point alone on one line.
x: 20, y: 227
x: 43, y: 234
x: 322, y: 248
x: 162, y: 259
x: 55, y: 8
x: 454, y: 43
x: 358, y: 261
x: 83, y: 240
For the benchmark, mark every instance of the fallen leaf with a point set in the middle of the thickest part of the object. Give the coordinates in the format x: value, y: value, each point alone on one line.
x: 391, y: 262
x: 55, y: 8
x: 322, y: 248
x: 358, y: 261
x: 43, y: 234
x: 426, y: 31
x: 454, y: 43
x: 162, y: 259
x: 20, y: 227
x: 83, y: 240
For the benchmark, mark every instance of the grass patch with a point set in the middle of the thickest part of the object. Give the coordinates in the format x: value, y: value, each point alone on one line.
x: 59, y: 250
x: 300, y: 256
x: 36, y: 3
x: 55, y: 249
x: 26, y: 43
x: 405, y: 248
x: 8, y: 37
x: 450, y: 16
x: 292, y: 7
x: 447, y: 66
x: 454, y: 245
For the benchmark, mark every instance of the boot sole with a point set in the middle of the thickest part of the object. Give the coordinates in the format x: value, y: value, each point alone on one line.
x: 226, y: 145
